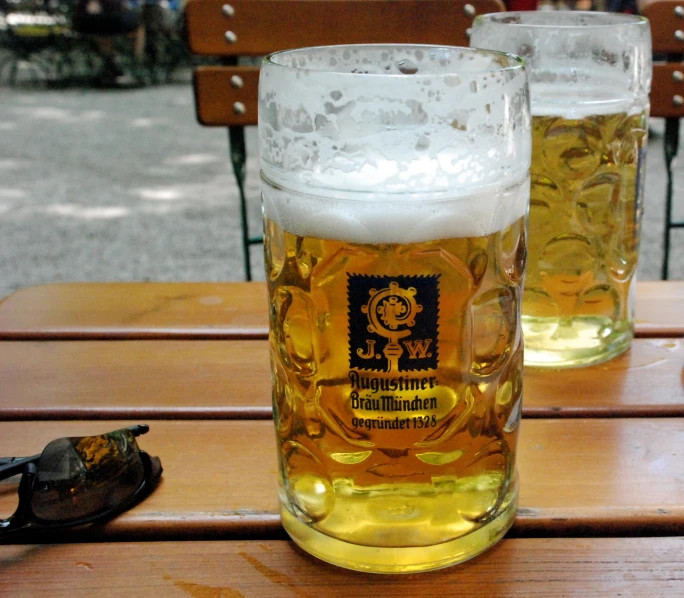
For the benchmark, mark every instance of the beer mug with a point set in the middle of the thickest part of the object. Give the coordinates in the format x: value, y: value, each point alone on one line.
x: 590, y: 75
x: 395, y: 187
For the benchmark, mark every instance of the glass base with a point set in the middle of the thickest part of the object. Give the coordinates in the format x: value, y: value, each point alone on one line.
x: 409, y: 559
x: 574, y: 342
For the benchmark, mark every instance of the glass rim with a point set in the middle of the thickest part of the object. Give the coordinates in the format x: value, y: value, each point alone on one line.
x: 563, y: 20
x: 515, y: 63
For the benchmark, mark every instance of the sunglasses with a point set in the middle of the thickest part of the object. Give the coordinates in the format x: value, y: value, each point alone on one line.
x: 75, y: 481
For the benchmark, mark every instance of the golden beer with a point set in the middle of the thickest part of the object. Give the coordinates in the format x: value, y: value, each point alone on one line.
x: 590, y: 76
x: 387, y: 466
x: 584, y: 227
x: 395, y: 188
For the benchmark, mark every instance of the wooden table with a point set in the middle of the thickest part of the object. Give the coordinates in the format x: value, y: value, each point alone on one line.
x: 601, y: 455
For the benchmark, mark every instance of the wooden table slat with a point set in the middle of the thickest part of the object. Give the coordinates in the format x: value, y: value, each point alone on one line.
x: 659, y: 308
x: 588, y: 477
x: 253, y: 569
x: 216, y: 310
x: 134, y: 310
x: 198, y: 379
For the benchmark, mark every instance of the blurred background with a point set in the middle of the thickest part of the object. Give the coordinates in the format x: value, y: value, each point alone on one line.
x: 105, y: 174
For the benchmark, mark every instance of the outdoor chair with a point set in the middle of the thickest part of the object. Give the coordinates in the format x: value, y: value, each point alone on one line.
x: 667, y: 95
x: 239, y: 30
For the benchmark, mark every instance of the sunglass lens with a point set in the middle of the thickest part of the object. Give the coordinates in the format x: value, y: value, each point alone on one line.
x: 79, y: 477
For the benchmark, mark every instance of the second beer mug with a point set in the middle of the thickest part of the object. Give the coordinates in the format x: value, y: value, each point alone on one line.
x: 395, y: 189
x: 590, y: 75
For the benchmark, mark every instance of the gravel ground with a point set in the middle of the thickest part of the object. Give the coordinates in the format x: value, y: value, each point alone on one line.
x: 124, y: 185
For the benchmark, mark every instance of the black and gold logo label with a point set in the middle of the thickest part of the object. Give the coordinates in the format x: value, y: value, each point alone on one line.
x: 393, y: 322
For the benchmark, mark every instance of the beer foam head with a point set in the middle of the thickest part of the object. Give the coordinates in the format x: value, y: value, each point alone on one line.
x: 572, y: 102
x: 397, y: 218
x: 381, y: 124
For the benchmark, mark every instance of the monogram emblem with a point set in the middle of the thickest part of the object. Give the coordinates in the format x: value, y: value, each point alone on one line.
x: 393, y: 322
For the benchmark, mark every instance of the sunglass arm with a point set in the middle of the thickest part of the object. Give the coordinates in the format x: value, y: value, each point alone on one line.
x: 10, y: 466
